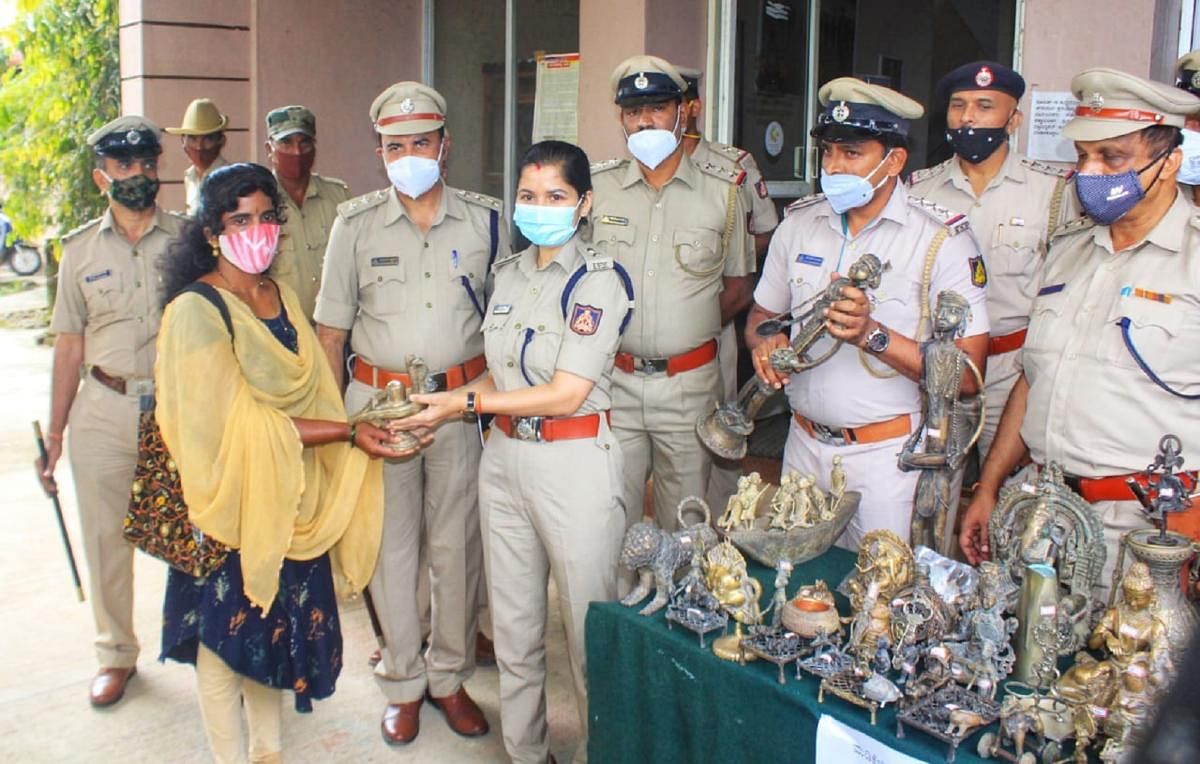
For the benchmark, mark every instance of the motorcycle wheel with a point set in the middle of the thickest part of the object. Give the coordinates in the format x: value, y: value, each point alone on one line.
x: 25, y: 260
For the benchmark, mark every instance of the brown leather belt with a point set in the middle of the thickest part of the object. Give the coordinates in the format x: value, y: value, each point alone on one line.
x: 1114, y: 487
x: 676, y: 364
x: 121, y: 385
x: 539, y: 429
x: 1007, y: 343
x: 450, y: 379
x: 868, y: 433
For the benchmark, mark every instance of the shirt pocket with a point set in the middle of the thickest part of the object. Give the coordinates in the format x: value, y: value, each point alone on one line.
x: 1152, y: 327
x: 466, y: 276
x: 897, y: 301
x: 1049, y: 329
x: 104, y: 298
x: 381, y: 285
x: 698, y: 251
x: 612, y: 240
x: 541, y: 339
x: 1015, y: 250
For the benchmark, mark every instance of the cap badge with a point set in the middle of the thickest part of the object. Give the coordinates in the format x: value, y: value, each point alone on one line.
x: 641, y: 83
x: 1196, y: 79
x: 841, y: 112
x: 407, y: 106
x: 1096, y: 102
x: 133, y: 137
x: 984, y: 77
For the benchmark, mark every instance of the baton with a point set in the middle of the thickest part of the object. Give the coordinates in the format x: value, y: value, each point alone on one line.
x: 62, y: 526
x: 374, y: 616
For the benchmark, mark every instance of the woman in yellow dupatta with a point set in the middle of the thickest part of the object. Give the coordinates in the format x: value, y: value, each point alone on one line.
x: 269, y: 467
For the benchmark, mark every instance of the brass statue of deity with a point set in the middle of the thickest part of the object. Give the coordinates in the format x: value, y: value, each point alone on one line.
x: 738, y: 592
x: 392, y: 403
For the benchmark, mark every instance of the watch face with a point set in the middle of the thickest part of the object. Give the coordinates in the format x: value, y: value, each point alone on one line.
x: 877, y: 340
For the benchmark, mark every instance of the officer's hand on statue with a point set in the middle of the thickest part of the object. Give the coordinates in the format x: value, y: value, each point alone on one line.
x: 381, y: 443
x: 438, y: 408
x: 45, y: 471
x: 974, y: 535
x: 849, y: 319
x: 760, y: 354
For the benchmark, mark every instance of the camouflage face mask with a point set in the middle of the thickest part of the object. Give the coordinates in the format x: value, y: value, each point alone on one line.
x: 136, y: 193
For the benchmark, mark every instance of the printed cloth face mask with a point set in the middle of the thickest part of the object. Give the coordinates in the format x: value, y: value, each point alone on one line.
x: 135, y: 193
x: 1108, y: 198
x: 251, y: 249
x: 975, y: 144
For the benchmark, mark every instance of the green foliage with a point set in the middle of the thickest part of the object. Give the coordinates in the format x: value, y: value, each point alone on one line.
x: 67, y: 85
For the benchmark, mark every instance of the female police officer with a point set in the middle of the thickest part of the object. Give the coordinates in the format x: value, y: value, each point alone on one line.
x: 550, y: 476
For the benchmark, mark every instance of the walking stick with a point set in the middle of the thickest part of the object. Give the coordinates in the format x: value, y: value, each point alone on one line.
x: 374, y: 616
x: 62, y: 526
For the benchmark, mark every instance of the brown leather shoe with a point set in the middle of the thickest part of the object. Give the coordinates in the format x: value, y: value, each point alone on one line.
x: 485, y: 651
x: 108, y: 686
x: 401, y: 722
x: 463, y: 716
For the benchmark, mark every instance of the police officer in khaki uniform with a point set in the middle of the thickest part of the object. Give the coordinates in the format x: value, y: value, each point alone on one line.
x: 310, y: 202
x: 1013, y: 203
x: 863, y: 402
x: 1109, y: 365
x: 1187, y: 76
x: 106, y: 320
x: 407, y: 269
x: 679, y: 227
x: 202, y: 136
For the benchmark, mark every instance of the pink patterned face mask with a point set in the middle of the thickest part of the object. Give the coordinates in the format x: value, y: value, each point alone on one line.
x: 253, y: 248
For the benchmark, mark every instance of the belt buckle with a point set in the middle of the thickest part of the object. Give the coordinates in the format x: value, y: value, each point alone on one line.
x: 827, y: 435
x: 528, y: 428
x: 139, y: 387
x: 649, y: 366
x: 436, y: 383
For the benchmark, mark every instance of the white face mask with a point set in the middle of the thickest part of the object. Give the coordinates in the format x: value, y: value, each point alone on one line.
x: 413, y: 175
x: 1189, y: 170
x: 651, y: 147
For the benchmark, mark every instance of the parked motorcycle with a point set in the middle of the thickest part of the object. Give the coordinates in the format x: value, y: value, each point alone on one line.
x: 22, y: 257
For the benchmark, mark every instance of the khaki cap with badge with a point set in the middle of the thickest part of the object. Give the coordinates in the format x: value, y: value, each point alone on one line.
x: 1187, y: 72
x: 408, y: 108
x: 646, y: 79
x: 287, y: 120
x: 125, y: 137
x: 1113, y: 103
x: 201, y: 118
x: 854, y: 109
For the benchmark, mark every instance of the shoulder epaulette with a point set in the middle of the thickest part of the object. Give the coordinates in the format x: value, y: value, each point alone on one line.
x: 335, y: 181
x: 79, y: 229
x: 929, y: 172
x: 360, y: 204
x: 724, y: 173
x: 1081, y: 223
x: 482, y: 200
x: 607, y: 164
x: 732, y: 153
x: 955, y: 222
x: 802, y: 202
x: 511, y: 257
x: 1048, y: 169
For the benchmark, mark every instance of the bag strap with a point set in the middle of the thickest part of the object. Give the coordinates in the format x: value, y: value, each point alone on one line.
x: 210, y: 293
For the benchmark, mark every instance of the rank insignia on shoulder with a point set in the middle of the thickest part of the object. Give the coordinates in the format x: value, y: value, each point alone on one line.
x: 379, y: 262
x: 585, y: 319
x: 807, y: 259
x: 978, y: 271
x: 501, y: 309
x: 613, y: 220
x: 1146, y: 294
x: 1052, y: 289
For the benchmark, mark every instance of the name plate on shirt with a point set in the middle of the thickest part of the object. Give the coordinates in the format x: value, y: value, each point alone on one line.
x: 840, y: 743
x: 380, y: 261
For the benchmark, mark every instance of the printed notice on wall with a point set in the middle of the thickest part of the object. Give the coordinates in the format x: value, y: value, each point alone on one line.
x: 837, y: 742
x: 556, y: 100
x: 1049, y: 111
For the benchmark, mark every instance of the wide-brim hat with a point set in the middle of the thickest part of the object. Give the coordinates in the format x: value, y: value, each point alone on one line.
x: 201, y: 118
x: 1114, y: 103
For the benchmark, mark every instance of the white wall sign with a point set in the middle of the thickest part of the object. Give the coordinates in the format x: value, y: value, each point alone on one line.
x: 846, y: 745
x: 1049, y: 111
x: 773, y: 139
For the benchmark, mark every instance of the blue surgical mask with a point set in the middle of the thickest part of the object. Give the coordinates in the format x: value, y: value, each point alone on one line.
x: 544, y: 225
x: 651, y: 147
x: 845, y: 191
x: 1108, y: 198
x: 1189, y: 170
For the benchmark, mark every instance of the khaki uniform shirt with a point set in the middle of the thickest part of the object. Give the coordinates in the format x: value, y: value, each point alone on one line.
x: 810, y: 245
x: 677, y: 244
x: 193, y: 179
x: 403, y: 292
x: 1090, y: 407
x: 305, y: 233
x: 527, y: 337
x: 764, y: 218
x: 110, y: 291
x: 1011, y: 224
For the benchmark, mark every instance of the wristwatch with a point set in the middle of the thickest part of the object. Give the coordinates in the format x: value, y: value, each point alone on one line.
x: 471, y: 415
x: 878, y: 339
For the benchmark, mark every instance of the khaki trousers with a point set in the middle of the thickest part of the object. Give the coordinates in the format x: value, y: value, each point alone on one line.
x: 431, y: 496
x: 103, y: 454
x: 654, y: 417
x: 1002, y: 373
x: 546, y: 509
x: 223, y: 693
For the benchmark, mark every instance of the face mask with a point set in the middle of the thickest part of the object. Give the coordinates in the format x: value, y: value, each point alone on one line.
x: 294, y: 166
x: 651, y: 147
x: 413, y: 176
x: 202, y: 158
x: 251, y: 249
x: 546, y: 226
x: 1189, y: 170
x: 135, y: 193
x: 845, y: 191
x: 1107, y: 198
x: 975, y: 144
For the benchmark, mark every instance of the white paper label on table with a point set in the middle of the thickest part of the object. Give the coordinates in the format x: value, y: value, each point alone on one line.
x: 845, y: 745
